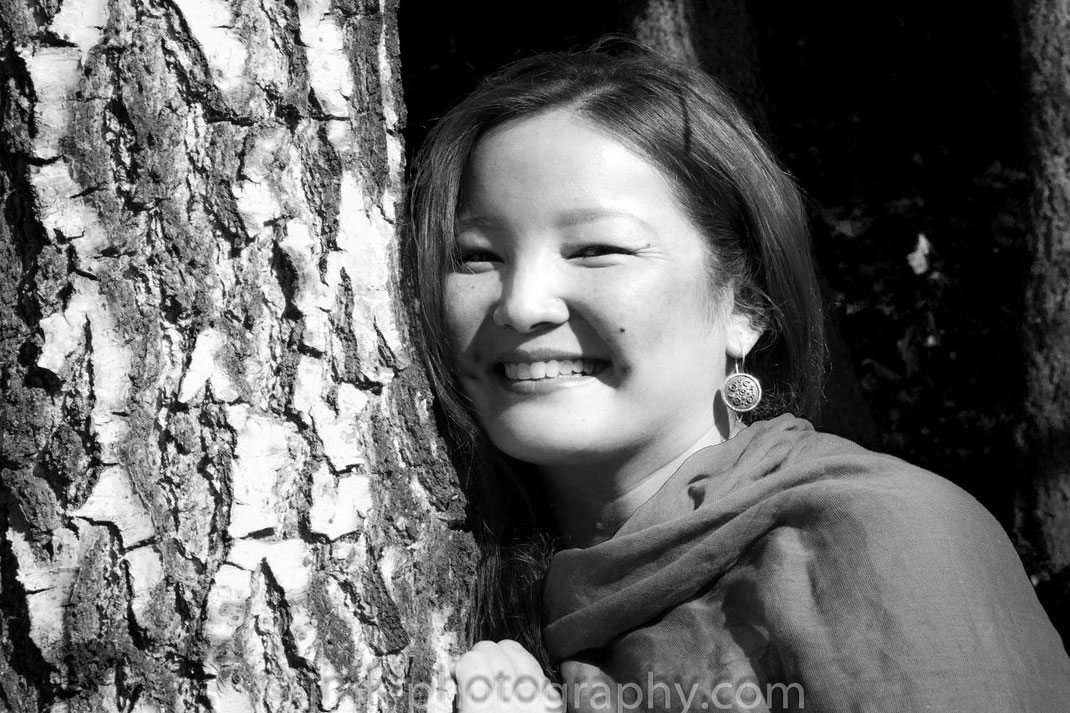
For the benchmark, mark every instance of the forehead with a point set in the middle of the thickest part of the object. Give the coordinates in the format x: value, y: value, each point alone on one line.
x: 559, y: 161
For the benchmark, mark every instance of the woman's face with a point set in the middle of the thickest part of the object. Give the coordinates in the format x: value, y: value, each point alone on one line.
x: 584, y: 324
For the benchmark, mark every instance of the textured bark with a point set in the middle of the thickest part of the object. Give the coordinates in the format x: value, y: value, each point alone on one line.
x: 1043, y: 505
x: 222, y: 488
x: 720, y: 37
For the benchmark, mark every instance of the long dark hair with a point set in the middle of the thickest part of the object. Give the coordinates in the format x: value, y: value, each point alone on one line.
x: 685, y: 124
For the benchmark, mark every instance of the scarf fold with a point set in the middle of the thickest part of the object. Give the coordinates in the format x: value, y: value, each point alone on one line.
x: 800, y: 557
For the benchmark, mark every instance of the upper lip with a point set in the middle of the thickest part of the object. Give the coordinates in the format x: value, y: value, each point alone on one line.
x: 535, y: 354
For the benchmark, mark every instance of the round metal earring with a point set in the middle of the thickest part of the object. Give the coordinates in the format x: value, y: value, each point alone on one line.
x: 741, y: 391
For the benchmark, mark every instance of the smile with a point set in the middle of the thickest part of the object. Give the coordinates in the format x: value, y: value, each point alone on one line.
x: 552, y: 369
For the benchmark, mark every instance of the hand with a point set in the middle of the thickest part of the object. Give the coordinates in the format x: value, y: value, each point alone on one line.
x: 503, y: 678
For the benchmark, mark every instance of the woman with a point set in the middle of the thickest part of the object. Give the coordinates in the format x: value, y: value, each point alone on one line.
x: 612, y: 279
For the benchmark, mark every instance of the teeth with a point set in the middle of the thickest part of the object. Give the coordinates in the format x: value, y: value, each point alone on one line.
x: 555, y: 368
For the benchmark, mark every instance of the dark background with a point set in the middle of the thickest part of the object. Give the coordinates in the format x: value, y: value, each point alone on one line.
x: 897, y: 120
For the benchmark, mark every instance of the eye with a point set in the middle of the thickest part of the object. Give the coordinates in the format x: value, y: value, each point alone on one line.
x: 599, y: 250
x: 476, y: 259
x: 478, y: 255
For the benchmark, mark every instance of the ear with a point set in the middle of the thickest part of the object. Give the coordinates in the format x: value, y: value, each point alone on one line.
x: 741, y: 334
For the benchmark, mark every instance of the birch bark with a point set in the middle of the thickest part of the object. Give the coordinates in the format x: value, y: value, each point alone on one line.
x: 222, y: 488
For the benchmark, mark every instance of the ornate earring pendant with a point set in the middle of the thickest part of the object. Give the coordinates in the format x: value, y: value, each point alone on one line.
x: 741, y: 391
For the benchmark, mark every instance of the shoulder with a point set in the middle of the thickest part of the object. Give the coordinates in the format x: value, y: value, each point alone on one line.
x: 879, y: 579
x: 876, y: 496
x: 863, y: 486
x: 890, y: 541
x: 847, y: 510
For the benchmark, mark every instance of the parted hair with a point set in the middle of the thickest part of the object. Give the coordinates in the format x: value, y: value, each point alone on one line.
x: 749, y: 209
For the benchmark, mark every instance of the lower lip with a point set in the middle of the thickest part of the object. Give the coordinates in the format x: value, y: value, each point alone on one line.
x: 542, y: 386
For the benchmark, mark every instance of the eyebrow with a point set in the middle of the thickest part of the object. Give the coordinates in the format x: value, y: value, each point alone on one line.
x: 565, y: 219
x: 467, y: 222
x: 586, y: 215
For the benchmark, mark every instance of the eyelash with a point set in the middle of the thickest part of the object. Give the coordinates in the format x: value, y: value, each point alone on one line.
x: 477, y: 255
x: 585, y: 252
x: 600, y: 251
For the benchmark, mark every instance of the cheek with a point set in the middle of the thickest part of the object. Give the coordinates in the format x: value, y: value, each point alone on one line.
x: 665, y: 326
x: 466, y: 305
x: 664, y: 304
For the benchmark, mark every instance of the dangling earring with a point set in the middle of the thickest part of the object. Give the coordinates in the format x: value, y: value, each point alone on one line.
x: 741, y: 391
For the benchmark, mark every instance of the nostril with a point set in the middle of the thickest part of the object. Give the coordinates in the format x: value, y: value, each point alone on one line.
x: 530, y: 315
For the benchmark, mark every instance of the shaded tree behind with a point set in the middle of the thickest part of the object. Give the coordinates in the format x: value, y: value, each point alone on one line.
x: 1042, y: 511
x: 719, y: 36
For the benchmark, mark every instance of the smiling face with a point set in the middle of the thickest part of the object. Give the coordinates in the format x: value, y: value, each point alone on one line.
x: 584, y: 324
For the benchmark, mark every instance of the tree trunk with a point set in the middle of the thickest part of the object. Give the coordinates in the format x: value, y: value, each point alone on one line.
x: 1042, y: 510
x: 219, y: 467
x: 720, y: 37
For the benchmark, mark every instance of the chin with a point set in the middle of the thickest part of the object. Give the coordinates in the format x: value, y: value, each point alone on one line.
x: 561, y: 446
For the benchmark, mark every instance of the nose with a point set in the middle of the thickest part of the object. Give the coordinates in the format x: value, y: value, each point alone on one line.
x: 530, y: 300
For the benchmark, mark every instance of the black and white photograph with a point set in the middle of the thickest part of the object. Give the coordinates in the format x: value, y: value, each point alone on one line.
x: 399, y: 356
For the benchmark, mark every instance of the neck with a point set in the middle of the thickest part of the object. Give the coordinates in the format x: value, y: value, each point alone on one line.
x: 590, y: 503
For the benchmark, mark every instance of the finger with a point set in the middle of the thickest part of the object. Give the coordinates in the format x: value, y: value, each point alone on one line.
x: 523, y: 661
x: 475, y: 683
x: 503, y: 675
x: 532, y: 689
x: 488, y: 679
x: 497, y: 657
